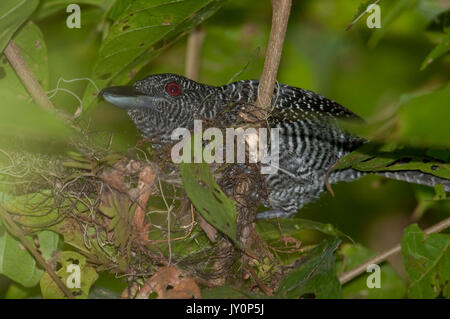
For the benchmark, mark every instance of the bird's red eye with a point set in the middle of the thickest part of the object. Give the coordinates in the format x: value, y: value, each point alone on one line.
x: 173, y: 89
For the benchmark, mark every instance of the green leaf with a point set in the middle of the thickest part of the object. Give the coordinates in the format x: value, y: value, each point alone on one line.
x: 373, y: 157
x: 427, y: 262
x: 392, y: 286
x: 272, y: 229
x: 315, y: 275
x: 16, y: 291
x: 33, y: 210
x: 19, y: 116
x: 16, y: 262
x: 208, y: 198
x: 442, y: 48
x: 143, y: 29
x: 118, y: 8
x: 13, y: 13
x: 34, y: 51
x: 88, y: 276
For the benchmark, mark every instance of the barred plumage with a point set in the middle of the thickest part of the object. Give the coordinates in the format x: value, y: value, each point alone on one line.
x: 310, y: 138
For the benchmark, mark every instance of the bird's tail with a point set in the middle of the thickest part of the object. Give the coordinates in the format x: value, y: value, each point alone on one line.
x: 349, y: 175
x: 415, y: 177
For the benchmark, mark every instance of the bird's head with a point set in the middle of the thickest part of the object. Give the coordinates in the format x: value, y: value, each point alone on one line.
x: 160, y: 103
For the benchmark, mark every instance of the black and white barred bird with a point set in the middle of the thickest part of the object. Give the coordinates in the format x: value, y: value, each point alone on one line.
x: 311, y: 140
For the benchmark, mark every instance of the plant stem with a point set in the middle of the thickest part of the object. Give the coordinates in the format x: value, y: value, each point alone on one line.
x: 194, y: 48
x: 12, y: 52
x: 16, y: 231
x: 349, y: 275
x: 280, y: 16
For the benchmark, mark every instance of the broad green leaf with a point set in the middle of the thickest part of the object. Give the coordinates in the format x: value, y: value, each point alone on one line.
x: 17, y: 263
x: 374, y: 157
x: 143, y: 29
x: 19, y: 116
x: 13, y: 13
x: 34, y: 51
x: 118, y: 8
x: 16, y: 291
x: 68, y: 259
x: 392, y: 286
x: 33, y: 210
x: 209, y: 199
x: 427, y: 262
x: 315, y: 275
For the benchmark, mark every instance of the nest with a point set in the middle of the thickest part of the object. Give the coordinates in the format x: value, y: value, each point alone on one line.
x: 98, y: 201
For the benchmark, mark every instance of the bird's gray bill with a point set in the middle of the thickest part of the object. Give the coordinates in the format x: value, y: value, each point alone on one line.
x: 125, y: 97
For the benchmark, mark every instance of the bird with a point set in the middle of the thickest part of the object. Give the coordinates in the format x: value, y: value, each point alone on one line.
x: 311, y: 140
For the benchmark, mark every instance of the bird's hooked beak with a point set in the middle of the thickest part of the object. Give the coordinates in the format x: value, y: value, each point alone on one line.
x: 127, y: 97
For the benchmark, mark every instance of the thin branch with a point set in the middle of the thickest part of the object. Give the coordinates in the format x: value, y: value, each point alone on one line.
x: 280, y: 16
x: 261, y: 285
x: 346, y: 277
x: 17, y: 232
x: 368, y: 9
x: 194, y: 48
x: 12, y: 52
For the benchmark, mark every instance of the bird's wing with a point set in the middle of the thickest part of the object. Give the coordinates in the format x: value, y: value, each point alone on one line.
x: 294, y: 104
